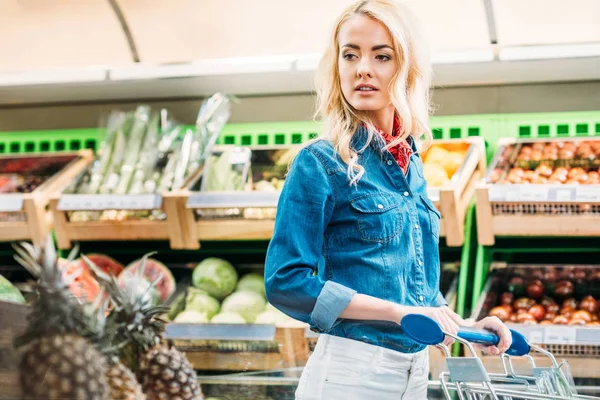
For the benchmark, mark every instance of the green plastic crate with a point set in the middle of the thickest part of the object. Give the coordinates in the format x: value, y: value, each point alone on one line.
x: 50, y: 141
x: 271, y: 133
x: 295, y: 132
x: 567, y: 124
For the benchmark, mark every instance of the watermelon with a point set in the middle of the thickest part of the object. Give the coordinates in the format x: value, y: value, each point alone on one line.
x: 165, y: 286
x: 84, y: 286
x: 10, y: 293
x: 106, y: 263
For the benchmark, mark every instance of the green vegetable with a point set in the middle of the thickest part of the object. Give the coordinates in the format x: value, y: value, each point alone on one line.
x: 216, y: 277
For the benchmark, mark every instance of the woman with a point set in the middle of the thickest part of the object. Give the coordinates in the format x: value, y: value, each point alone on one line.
x: 355, y: 246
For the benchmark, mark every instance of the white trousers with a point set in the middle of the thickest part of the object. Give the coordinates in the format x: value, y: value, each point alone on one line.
x: 345, y: 369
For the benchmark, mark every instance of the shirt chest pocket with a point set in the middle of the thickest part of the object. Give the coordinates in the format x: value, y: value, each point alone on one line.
x: 434, y: 216
x: 378, y: 217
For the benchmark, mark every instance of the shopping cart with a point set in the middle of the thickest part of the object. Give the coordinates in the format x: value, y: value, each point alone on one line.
x: 467, y: 378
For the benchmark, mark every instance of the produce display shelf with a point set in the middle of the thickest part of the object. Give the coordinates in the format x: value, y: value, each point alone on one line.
x: 510, y: 205
x: 166, y: 227
x: 24, y: 215
x: 578, y: 345
x: 244, y: 211
x: 236, y: 347
x: 453, y: 199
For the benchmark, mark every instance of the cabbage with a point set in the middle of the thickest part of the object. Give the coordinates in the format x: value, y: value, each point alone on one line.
x: 200, y: 301
x: 252, y: 282
x: 216, y: 277
x: 228, y: 317
x: 271, y: 317
x: 191, y: 317
x: 247, y: 304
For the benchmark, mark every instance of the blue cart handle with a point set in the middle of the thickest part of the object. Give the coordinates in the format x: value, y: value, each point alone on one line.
x: 425, y: 330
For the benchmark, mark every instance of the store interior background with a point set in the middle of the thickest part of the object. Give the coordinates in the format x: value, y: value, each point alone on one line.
x: 489, y: 56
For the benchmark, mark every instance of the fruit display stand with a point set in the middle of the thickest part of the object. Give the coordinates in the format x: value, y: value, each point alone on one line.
x: 235, y: 196
x: 236, y: 347
x: 160, y: 226
x: 453, y: 191
x: 541, y: 187
x: 541, y: 268
x: 27, y: 181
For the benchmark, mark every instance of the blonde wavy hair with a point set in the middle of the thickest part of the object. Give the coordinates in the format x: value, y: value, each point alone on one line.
x: 409, y: 88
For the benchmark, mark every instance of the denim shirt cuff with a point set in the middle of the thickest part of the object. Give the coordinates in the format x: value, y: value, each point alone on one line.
x: 440, y: 300
x: 332, y: 300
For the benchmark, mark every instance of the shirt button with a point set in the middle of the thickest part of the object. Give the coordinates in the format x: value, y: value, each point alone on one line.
x: 419, y: 262
x: 416, y: 226
x: 389, y: 162
x: 380, y: 206
x: 405, y: 194
x: 421, y: 298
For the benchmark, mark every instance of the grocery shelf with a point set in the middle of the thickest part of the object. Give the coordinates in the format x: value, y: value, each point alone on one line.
x: 24, y: 215
x: 161, y: 221
x: 578, y: 345
x: 508, y: 204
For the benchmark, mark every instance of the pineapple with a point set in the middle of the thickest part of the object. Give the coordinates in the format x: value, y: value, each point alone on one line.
x: 58, y: 361
x: 163, y: 371
x: 72, y: 353
x: 123, y: 384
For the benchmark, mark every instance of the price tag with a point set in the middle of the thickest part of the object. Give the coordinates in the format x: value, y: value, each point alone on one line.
x: 563, y: 194
x: 93, y: 202
x: 535, y: 337
x: 587, y: 193
x: 560, y: 335
x: 239, y: 157
x: 11, y: 202
x: 534, y: 193
x: 513, y: 194
x: 498, y: 192
x: 232, y: 199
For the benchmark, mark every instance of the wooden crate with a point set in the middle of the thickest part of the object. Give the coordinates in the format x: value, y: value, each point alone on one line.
x: 172, y: 228
x: 13, y: 321
x: 37, y: 222
x: 578, y: 345
x: 453, y: 199
x: 541, y: 210
x: 288, y: 348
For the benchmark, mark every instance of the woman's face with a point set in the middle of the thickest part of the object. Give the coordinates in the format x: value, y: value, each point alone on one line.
x: 367, y: 63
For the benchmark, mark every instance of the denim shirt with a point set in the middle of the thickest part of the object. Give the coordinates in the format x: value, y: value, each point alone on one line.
x: 333, y: 239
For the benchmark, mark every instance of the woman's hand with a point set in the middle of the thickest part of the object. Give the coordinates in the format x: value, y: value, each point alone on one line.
x: 448, y: 320
x: 495, y: 325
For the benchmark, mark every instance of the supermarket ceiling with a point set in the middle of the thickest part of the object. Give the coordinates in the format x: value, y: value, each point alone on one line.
x: 472, y: 41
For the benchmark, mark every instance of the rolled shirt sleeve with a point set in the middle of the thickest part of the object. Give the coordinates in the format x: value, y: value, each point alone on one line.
x: 440, y: 300
x: 304, y: 210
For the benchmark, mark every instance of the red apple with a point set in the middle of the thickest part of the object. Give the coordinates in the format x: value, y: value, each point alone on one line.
x: 535, y: 289
x: 560, y: 320
x: 538, y: 311
x: 499, y: 312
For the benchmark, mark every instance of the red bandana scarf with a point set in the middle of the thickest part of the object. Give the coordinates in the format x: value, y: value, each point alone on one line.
x: 402, y: 151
